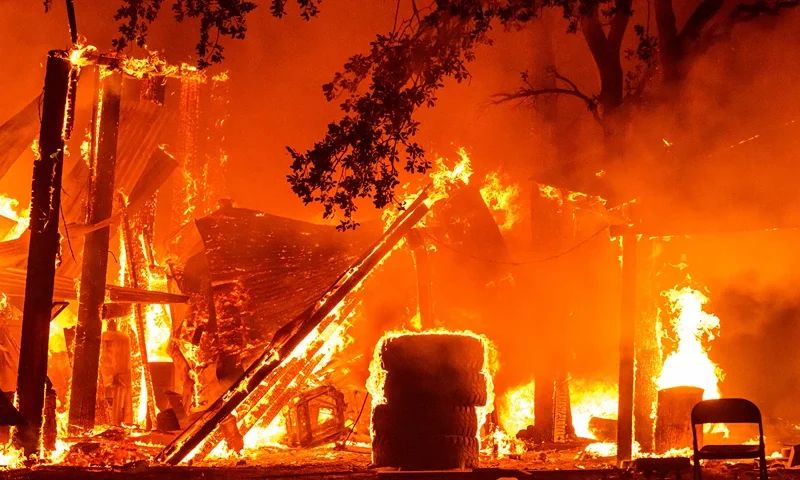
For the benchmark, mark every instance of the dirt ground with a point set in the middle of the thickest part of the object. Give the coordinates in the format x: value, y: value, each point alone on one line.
x: 328, y: 464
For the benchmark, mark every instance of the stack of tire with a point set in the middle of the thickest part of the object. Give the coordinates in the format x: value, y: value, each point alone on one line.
x: 433, y: 386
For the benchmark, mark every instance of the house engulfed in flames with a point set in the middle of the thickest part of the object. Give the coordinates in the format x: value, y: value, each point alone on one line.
x: 224, y: 333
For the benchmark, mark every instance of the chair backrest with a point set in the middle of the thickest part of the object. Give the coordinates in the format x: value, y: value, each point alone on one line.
x: 726, y: 410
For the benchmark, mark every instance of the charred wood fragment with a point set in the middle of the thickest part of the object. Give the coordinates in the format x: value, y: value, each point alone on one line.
x: 50, y: 426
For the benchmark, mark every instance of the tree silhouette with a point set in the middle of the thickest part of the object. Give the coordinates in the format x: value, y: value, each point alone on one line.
x: 361, y: 154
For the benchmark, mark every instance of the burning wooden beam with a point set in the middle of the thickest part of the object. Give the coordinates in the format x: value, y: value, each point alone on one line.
x: 290, y: 336
x: 43, y: 249
x: 119, y: 294
x: 12, y: 283
x: 422, y: 266
x: 133, y: 270
x: 95, y: 252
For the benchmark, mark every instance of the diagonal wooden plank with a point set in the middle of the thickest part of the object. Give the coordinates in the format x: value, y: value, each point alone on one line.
x: 18, y: 133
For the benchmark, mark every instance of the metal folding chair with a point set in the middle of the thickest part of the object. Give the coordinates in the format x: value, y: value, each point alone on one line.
x: 728, y: 410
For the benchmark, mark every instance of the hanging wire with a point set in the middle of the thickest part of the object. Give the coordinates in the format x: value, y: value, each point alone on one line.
x: 344, y: 443
x: 514, y: 263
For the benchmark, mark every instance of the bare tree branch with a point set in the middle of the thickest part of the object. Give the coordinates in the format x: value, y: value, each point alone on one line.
x: 529, y: 92
x: 703, y: 14
x: 749, y: 11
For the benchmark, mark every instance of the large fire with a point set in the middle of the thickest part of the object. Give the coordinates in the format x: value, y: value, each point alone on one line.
x: 688, y: 364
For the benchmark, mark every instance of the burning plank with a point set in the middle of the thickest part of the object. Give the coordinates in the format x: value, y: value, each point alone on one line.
x: 12, y: 283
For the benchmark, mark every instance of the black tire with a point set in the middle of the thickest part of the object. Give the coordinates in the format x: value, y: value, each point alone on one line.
x: 425, y: 452
x: 463, y: 390
x: 393, y: 420
x: 433, y: 353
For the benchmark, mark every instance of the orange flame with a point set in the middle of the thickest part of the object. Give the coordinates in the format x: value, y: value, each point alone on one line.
x: 443, y: 178
x: 689, y: 364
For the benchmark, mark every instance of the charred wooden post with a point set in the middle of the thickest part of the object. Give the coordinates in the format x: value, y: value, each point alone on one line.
x: 290, y: 336
x: 674, y: 424
x: 42, y: 252
x: 648, y: 351
x: 626, y: 338
x: 422, y: 265
x: 138, y: 310
x: 50, y: 425
x: 95, y: 252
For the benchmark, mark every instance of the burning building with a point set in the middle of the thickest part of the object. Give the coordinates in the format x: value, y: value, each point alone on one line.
x: 460, y: 331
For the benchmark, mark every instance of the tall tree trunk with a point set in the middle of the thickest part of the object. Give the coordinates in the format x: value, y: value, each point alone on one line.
x: 605, y: 50
x: 95, y: 253
x: 42, y: 252
x: 669, y: 51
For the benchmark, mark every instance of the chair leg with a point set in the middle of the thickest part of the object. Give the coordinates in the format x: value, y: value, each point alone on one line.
x: 698, y: 475
x: 762, y: 466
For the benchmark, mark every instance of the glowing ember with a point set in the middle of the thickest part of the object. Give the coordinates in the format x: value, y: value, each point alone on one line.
x: 501, y: 200
x: 689, y: 364
x: 601, y: 450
